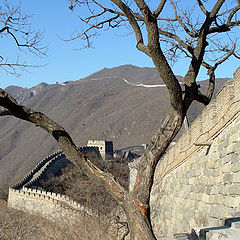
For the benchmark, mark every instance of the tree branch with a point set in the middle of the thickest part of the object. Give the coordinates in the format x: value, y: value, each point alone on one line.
x: 16, y: 25
x: 216, y: 8
x: 96, y: 26
x: 159, y: 9
x: 205, y: 99
x: 203, y: 9
x: 191, y: 34
x: 233, y: 12
x: 188, y: 47
x: 223, y: 27
x: 133, y: 22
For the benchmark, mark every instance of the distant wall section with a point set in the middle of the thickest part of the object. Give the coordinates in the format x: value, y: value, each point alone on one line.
x: 197, y: 181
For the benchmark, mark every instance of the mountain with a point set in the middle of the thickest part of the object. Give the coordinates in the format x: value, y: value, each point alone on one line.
x: 144, y: 75
x: 105, y: 105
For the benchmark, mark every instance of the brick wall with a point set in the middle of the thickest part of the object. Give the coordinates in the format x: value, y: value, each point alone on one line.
x: 195, y: 184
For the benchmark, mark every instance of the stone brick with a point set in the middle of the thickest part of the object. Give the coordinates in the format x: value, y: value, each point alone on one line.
x: 236, y: 167
x: 208, y: 190
x: 205, y: 198
x: 227, y: 159
x: 236, y: 203
x: 195, y: 196
x: 220, y: 179
x: 226, y: 142
x: 192, y: 180
x: 211, y: 164
x: 235, y: 212
x: 188, y: 174
x: 236, y: 177
x: 192, y: 188
x: 214, y: 190
x: 215, y: 211
x: 220, y: 147
x: 216, y: 199
x: 230, y: 149
x: 236, y: 147
x: 213, y: 149
x: 223, y: 189
x: 226, y: 168
x: 212, y: 181
x: 213, y: 222
x: 235, y: 137
x: 235, y: 157
x: 235, y: 189
x: 207, y: 172
x: 229, y: 201
x: 212, y: 199
x: 215, y: 173
x: 228, y: 178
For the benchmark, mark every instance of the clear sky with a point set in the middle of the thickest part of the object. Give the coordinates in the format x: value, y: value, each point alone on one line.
x: 64, y: 63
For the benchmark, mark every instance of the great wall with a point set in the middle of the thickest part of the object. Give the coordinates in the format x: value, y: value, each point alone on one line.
x: 197, y: 181
x: 24, y: 196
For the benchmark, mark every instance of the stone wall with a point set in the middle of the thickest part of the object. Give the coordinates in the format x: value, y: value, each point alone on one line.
x: 47, y: 204
x: 36, y: 171
x: 197, y: 181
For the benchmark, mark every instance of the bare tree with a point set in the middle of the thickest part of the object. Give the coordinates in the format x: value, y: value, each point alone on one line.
x: 167, y: 36
x: 15, y: 26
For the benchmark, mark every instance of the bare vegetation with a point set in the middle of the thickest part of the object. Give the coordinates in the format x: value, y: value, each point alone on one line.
x: 16, y: 26
x: 75, y: 184
x: 23, y: 226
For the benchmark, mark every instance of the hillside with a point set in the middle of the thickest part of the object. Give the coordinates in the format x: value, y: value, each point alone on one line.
x: 100, y: 106
x: 15, y: 224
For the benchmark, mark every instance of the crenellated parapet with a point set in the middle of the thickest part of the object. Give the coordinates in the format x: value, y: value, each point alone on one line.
x: 25, y: 198
x: 51, y: 197
x: 30, y: 175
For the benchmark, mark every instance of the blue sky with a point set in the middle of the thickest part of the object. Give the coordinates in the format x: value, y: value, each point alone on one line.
x: 64, y: 63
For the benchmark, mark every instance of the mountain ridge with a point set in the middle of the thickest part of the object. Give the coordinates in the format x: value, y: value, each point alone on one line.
x: 110, y: 109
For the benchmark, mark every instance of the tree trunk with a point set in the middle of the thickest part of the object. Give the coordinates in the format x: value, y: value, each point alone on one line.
x: 139, y: 224
x: 136, y: 205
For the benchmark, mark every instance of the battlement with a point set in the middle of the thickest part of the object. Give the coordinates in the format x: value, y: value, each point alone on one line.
x: 23, y: 197
x: 54, y: 198
x: 29, y: 176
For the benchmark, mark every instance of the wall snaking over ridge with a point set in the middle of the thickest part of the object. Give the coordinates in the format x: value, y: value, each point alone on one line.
x: 47, y: 204
x: 197, y: 181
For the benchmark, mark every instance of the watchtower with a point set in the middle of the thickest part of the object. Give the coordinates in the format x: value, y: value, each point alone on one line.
x: 105, y: 147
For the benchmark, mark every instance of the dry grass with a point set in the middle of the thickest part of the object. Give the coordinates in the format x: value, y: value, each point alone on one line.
x: 22, y: 226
